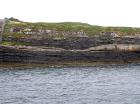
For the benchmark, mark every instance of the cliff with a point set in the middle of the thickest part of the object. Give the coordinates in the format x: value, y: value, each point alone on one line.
x: 28, y: 54
x: 2, y: 26
x: 68, y: 42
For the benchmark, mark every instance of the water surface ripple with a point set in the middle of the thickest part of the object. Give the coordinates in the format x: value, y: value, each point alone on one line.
x: 104, y: 84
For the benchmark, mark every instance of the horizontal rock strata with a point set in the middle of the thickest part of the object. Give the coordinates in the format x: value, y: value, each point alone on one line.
x: 105, y: 53
x: 76, y: 43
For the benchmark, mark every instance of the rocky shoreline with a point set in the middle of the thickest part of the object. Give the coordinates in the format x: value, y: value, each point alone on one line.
x: 25, y: 42
x: 104, y: 53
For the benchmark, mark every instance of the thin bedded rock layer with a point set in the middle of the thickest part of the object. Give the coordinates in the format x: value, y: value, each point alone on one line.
x: 30, y: 54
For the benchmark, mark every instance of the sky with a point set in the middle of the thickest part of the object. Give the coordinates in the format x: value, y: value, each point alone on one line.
x: 95, y: 12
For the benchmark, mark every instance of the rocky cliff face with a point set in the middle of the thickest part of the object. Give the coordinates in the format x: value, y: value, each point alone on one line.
x: 2, y: 24
x: 54, y: 55
x: 76, y: 43
x: 96, y: 49
x: 1, y: 28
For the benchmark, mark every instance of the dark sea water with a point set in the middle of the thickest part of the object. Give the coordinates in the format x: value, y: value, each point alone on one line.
x: 102, y: 84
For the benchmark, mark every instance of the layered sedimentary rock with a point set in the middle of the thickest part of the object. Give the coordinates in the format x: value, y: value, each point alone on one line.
x: 106, y: 53
x: 76, y: 43
x: 62, y: 42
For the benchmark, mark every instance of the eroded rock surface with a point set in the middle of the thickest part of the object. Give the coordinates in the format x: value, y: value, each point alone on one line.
x: 46, y: 55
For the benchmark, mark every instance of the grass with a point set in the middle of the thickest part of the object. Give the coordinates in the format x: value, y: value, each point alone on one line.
x: 15, y: 35
x: 90, y: 30
x: 7, y: 43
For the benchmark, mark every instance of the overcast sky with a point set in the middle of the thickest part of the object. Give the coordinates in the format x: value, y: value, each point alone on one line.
x: 95, y: 12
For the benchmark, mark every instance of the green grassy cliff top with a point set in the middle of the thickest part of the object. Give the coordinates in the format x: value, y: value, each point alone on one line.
x: 90, y: 30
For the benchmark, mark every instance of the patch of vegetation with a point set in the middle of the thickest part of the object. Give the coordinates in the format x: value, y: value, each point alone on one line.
x: 90, y: 30
x: 7, y: 43
x: 15, y: 35
x: 14, y: 19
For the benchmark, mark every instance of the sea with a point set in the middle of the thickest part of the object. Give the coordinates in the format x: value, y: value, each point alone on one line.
x: 98, y: 84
